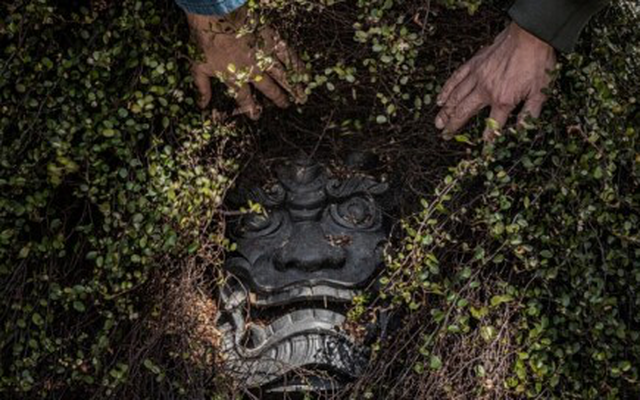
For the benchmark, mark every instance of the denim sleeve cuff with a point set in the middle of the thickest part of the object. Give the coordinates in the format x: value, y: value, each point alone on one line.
x: 557, y: 22
x: 210, y: 7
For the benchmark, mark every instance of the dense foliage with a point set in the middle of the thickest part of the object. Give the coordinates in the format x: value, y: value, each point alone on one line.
x: 515, y: 267
x: 525, y: 258
x: 107, y: 167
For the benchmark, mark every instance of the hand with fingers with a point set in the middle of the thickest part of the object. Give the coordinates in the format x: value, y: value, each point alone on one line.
x: 514, y: 69
x: 244, y: 59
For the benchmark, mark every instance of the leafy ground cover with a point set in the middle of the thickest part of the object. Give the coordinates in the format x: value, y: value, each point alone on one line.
x: 513, y: 268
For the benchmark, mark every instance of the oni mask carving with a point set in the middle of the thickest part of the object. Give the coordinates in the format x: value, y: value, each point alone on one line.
x: 297, y: 267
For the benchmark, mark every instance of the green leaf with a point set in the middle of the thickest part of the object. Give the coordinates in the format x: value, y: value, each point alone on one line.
x: 37, y: 319
x: 546, y: 254
x: 435, y: 363
x: 108, y: 133
x: 497, y: 300
x: 462, y: 139
x: 24, y: 252
x: 488, y: 333
x: 79, y: 306
x: 478, y: 313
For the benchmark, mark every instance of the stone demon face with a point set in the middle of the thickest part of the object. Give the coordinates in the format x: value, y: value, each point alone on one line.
x: 318, y: 243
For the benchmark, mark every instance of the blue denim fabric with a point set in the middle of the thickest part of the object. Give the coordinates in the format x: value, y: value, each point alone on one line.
x: 210, y: 7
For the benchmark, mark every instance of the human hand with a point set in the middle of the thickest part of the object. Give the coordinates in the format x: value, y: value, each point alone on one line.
x: 241, y: 59
x: 512, y: 70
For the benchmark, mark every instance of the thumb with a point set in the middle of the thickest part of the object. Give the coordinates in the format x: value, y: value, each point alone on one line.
x: 203, y: 83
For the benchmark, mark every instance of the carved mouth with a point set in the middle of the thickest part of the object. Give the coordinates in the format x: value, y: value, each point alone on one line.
x: 235, y: 294
x: 261, y: 275
x: 302, y: 342
x: 285, y: 339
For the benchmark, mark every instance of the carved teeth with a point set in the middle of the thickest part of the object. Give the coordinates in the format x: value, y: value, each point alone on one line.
x: 304, y: 293
x: 300, y: 339
x: 293, y: 324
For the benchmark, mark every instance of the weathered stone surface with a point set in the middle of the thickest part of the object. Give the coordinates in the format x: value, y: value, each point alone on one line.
x: 318, y: 244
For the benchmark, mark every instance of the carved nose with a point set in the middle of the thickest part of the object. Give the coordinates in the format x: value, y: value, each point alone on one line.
x: 308, y: 249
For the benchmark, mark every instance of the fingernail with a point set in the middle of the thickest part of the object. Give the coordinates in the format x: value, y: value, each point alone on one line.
x: 489, y: 135
x: 439, y: 123
x: 255, y: 114
x: 217, y: 115
x: 301, y: 97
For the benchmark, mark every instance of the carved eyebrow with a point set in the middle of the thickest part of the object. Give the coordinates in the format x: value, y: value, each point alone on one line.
x: 272, y: 197
x: 337, y: 189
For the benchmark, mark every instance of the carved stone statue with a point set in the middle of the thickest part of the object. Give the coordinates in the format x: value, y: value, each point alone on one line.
x: 297, y: 267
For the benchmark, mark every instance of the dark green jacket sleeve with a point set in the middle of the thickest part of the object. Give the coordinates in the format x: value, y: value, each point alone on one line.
x: 557, y: 22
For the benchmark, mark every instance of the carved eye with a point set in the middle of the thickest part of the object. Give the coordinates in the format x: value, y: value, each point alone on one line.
x: 357, y: 212
x: 252, y: 225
